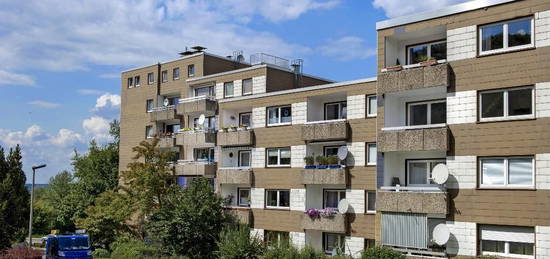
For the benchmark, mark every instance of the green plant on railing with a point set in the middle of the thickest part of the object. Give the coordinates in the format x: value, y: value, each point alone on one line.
x: 309, y: 160
x: 224, y: 128
x: 322, y: 160
x: 332, y: 160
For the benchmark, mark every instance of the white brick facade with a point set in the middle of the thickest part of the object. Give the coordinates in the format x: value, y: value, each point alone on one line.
x: 258, y: 157
x: 542, y: 242
x: 219, y: 91
x: 542, y: 29
x: 297, y: 154
x: 462, y: 172
x: 298, y: 199
x: 258, y: 85
x: 461, y: 107
x: 258, y: 117
x: 257, y: 233
x: 298, y: 239
x: 542, y: 99
x: 461, y: 43
x: 356, y: 155
x: 257, y: 198
x: 356, y: 199
x: 237, y: 88
x: 299, y: 113
x: 463, y: 238
x: 354, y: 246
x: 542, y: 171
x: 356, y: 105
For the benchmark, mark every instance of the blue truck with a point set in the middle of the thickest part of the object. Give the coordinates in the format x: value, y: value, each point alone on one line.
x: 75, y: 246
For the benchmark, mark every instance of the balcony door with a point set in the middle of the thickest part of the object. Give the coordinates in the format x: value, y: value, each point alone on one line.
x: 336, y: 110
x: 244, y: 158
x: 419, y: 172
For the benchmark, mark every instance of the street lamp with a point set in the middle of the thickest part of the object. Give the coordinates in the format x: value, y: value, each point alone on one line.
x: 32, y: 193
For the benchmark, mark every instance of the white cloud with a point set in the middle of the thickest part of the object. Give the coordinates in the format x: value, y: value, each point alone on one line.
x: 97, y: 128
x: 395, y: 8
x: 110, y: 75
x: 90, y: 92
x: 66, y: 137
x: 44, y: 104
x: 10, y: 78
x: 107, y: 105
x: 347, y: 48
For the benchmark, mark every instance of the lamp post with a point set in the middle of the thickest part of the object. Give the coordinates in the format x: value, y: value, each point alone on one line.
x: 32, y: 193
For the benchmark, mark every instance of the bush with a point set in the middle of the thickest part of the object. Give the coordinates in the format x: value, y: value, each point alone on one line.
x: 381, y: 252
x: 310, y: 253
x: 235, y: 243
x: 132, y: 249
x: 21, y: 253
x: 101, y: 253
x: 282, y: 250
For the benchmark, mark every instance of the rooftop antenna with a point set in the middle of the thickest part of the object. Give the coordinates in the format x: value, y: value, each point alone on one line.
x: 297, y: 67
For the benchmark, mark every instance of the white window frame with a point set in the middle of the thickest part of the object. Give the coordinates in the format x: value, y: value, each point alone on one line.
x: 506, y: 253
x: 427, y: 172
x: 368, y: 153
x: 340, y: 115
x: 225, y: 84
x: 251, y: 89
x: 429, y: 104
x: 130, y: 82
x: 279, y: 235
x: 239, y: 197
x: 505, y: 107
x: 241, y: 118
x: 150, y: 78
x: 174, y: 77
x: 164, y: 76
x: 279, y: 123
x: 409, y: 62
x: 278, y: 199
x: 190, y: 70
x: 147, y: 128
x: 137, y: 81
x: 278, y: 157
x: 507, y: 173
x: 341, y: 241
x: 340, y: 193
x: 147, y: 108
x: 211, y: 91
x: 505, y: 47
x: 367, y: 202
x: 369, y: 100
x: 239, y: 153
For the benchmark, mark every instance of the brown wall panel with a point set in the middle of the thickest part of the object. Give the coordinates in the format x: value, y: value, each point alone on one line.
x: 279, y: 220
x: 362, y: 225
x: 363, y: 177
x: 277, y: 178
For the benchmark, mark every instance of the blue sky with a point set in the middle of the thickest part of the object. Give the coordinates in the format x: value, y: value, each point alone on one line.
x: 61, y: 59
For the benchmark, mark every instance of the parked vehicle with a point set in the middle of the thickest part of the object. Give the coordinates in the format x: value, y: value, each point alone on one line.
x: 75, y: 246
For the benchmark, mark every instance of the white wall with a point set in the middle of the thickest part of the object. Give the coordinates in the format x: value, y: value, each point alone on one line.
x: 226, y: 161
x: 299, y: 113
x: 258, y: 85
x: 231, y: 117
x: 356, y: 106
x: 542, y: 99
x: 298, y: 199
x: 257, y: 199
x: 542, y: 172
x: 297, y: 154
x: 462, y: 172
x: 316, y: 105
x: 395, y: 104
x: 542, y: 29
x: 298, y: 239
x: 257, y: 233
x: 258, y: 117
x: 396, y: 47
x: 356, y: 199
x: 462, y: 107
x: 258, y: 157
x: 314, y: 194
x: 394, y: 163
x: 542, y: 242
x: 461, y: 43
x: 314, y: 238
x: 463, y: 238
x: 354, y: 246
x: 356, y: 155
x: 219, y: 91
x: 231, y: 189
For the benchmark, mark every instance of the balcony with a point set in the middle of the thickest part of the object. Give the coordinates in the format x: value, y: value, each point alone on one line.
x: 414, y: 138
x: 206, y: 105
x: 166, y: 142
x: 196, y: 168
x: 234, y: 175
x: 325, y: 130
x: 414, y: 77
x: 324, y: 176
x: 335, y: 224
x: 428, y: 200
x: 243, y: 214
x: 196, y: 138
x: 243, y: 137
x: 163, y: 113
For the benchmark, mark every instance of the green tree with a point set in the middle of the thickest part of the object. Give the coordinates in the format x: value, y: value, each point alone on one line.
x: 14, y: 198
x: 380, y: 252
x: 63, y: 200
x: 43, y: 213
x: 235, y: 243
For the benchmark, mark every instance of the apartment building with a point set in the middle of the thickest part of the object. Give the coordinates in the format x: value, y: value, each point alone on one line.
x: 445, y: 153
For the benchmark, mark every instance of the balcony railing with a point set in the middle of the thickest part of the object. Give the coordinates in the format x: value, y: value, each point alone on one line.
x: 414, y: 77
x: 163, y: 113
x: 243, y: 214
x: 244, y: 137
x: 165, y: 141
x: 234, y: 175
x: 206, y: 105
x: 429, y: 200
x: 335, y: 223
x: 324, y: 176
x: 325, y: 130
x: 415, y: 138
x: 199, y: 168
x: 262, y: 58
x: 196, y: 138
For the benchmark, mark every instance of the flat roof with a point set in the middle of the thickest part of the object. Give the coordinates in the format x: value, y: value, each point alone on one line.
x: 449, y: 10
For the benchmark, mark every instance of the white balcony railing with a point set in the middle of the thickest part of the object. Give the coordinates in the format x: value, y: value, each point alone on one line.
x: 164, y: 108
x: 427, y: 126
x: 197, y: 98
x: 324, y: 121
x: 434, y: 188
x: 411, y: 66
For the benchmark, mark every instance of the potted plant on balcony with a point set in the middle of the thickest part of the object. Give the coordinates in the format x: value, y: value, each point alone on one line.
x: 224, y: 128
x: 310, y: 162
x: 232, y: 128
x: 333, y: 162
x: 322, y: 161
x: 428, y: 62
x: 312, y: 212
x: 244, y: 127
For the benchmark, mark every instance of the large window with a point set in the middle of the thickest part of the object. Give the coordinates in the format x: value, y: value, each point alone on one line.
x: 513, y: 103
x: 371, y: 106
x: 243, y: 197
x: 280, y: 115
x: 426, y: 113
x: 228, y: 90
x: 209, y: 123
x: 150, y: 78
x: 507, y: 241
x: 506, y: 172
x: 245, y: 119
x: 333, y: 244
x: 425, y: 51
x: 176, y: 73
x: 419, y: 172
x: 371, y: 153
x: 247, y: 86
x: 278, y: 157
x: 275, y: 238
x: 331, y: 198
x: 204, y: 154
x: 149, y: 105
x: 245, y: 158
x: 336, y: 110
x: 205, y: 91
x: 506, y: 36
x: 371, y: 201
x: 277, y: 199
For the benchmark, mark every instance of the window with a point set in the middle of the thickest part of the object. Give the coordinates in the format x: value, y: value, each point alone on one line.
x: 245, y: 118
x: 205, y: 91
x: 506, y: 36
x: 243, y: 197
x: 275, y: 238
x: 176, y: 73
x: 150, y: 78
x: 277, y: 199
x: 228, y: 89
x: 247, y: 86
x: 419, y: 172
x: 149, y: 131
x: 149, y: 105
x: 506, y: 172
x: 279, y: 115
x: 371, y: 201
x: 137, y: 81
x: 507, y: 241
x: 278, y: 157
x: 371, y: 153
x: 423, y: 52
x: 513, y: 103
x: 331, y: 198
x: 164, y: 76
x: 335, y: 111
x: 333, y: 244
x: 172, y: 128
x: 372, y: 106
x: 204, y: 154
x: 209, y: 123
x: 244, y: 158
x: 426, y: 113
x: 330, y: 150
x: 191, y: 70
x: 369, y: 243
x: 130, y: 82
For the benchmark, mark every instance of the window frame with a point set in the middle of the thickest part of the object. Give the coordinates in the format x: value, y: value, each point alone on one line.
x: 225, y: 84
x: 369, y: 100
x: 278, y: 157
x: 425, y: 160
x: 147, y: 105
x: 211, y: 91
x: 429, y: 54
x: 339, y: 192
x: 340, y: 104
x: 240, y: 118
x: 239, y: 159
x: 280, y: 235
x: 368, y: 153
x: 252, y: 84
x: 174, y: 77
x: 147, y: 128
x: 278, y: 206
x: 341, y: 241
x: 367, y: 195
x: 506, y: 173
x: 429, y: 111
x: 211, y: 154
x: 130, y: 82
x: 164, y: 76
x: 279, y: 123
x: 505, y: 116
x: 505, y: 40
x: 137, y: 81
x: 190, y: 70
x: 150, y: 78
x: 239, y: 189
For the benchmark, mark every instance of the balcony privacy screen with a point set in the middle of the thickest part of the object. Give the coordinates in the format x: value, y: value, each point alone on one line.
x: 405, y: 230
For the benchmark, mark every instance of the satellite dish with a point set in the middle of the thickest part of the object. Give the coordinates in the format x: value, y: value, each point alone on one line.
x: 343, y: 206
x: 166, y: 101
x: 440, y: 174
x: 202, y: 119
x: 441, y: 234
x: 342, y: 152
